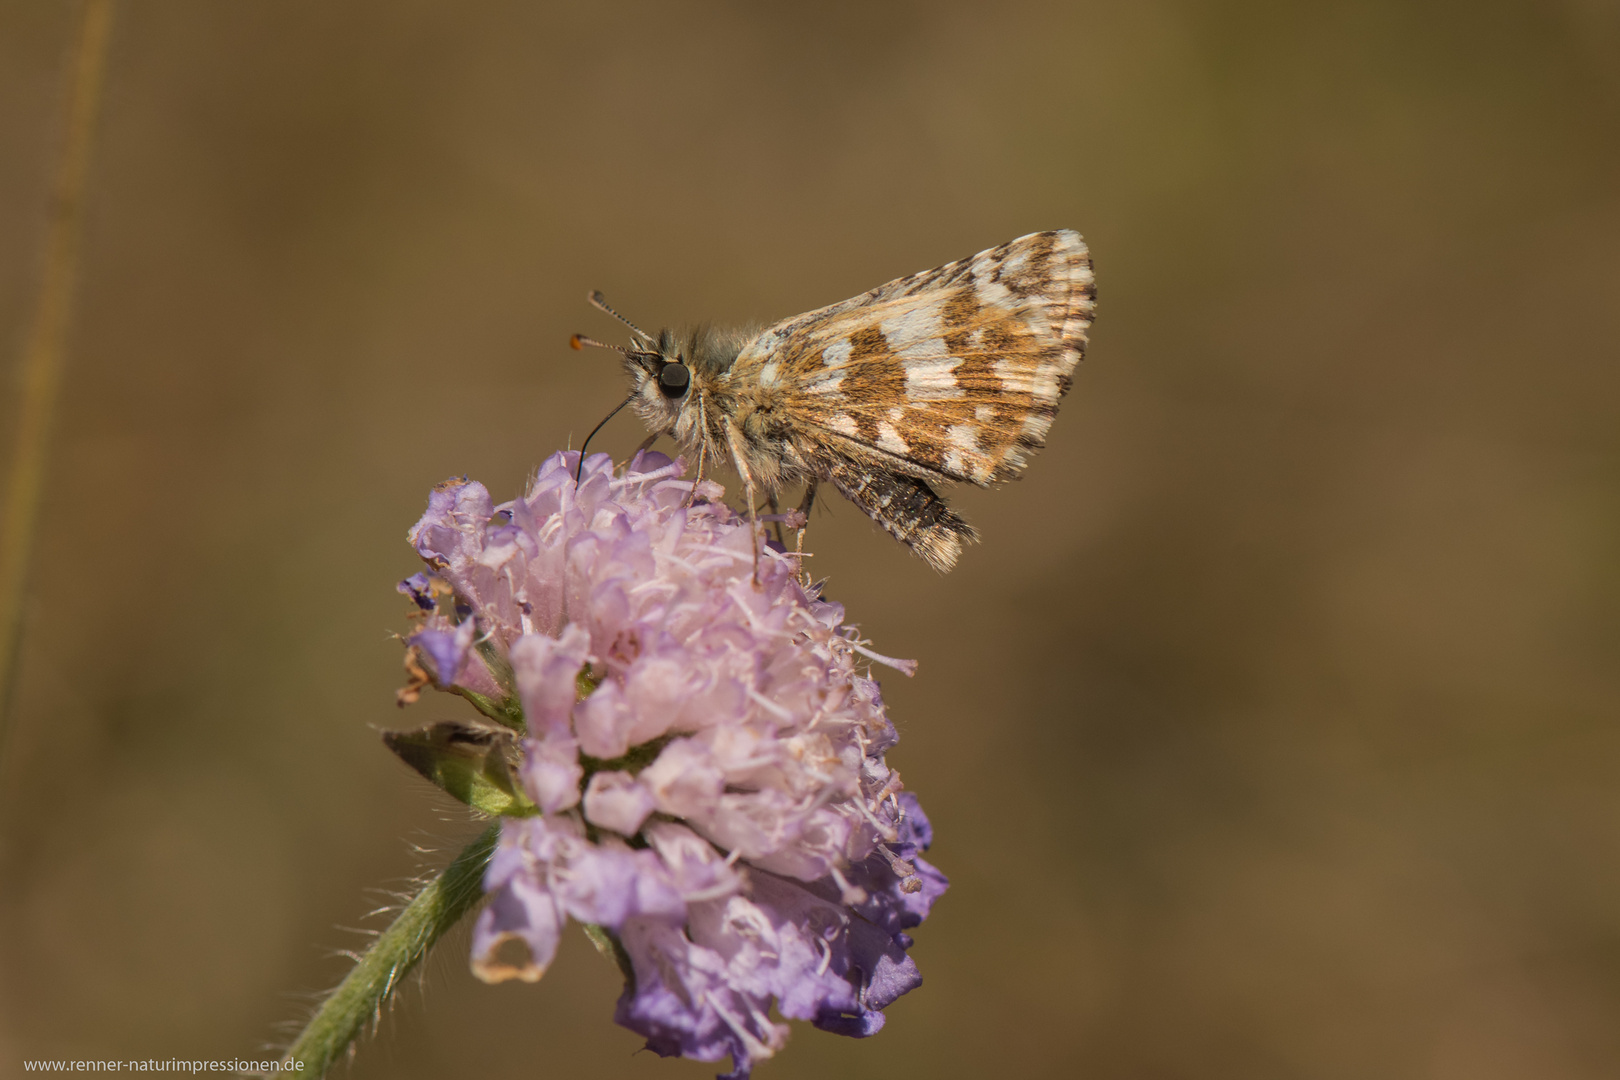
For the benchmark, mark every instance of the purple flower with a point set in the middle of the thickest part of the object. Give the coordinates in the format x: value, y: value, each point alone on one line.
x: 705, y: 764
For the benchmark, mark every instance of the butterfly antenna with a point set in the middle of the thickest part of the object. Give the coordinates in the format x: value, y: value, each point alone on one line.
x: 579, y: 341
x: 579, y: 470
x: 599, y: 302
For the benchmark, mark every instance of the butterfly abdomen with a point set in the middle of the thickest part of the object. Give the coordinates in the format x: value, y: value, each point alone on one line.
x: 908, y: 509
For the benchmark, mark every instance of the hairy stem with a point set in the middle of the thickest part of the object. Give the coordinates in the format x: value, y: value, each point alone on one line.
x: 359, y: 998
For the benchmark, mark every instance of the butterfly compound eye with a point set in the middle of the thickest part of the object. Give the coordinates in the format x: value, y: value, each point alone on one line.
x: 674, y: 379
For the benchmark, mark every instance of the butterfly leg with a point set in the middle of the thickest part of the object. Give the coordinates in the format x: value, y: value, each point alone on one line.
x: 734, y: 437
x: 804, y: 514
x: 776, y: 512
x: 702, y: 452
x: 691, y: 496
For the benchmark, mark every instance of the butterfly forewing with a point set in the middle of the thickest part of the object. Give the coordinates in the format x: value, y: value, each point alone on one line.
x: 953, y: 374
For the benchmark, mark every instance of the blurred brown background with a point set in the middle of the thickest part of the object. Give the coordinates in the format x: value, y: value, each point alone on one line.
x: 1270, y: 733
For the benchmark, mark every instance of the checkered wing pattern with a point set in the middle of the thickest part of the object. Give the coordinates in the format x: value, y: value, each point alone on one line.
x: 952, y: 374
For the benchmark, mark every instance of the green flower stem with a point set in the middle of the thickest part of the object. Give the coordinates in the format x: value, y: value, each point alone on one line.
x: 360, y: 996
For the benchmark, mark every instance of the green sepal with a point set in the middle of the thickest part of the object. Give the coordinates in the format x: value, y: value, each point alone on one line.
x: 637, y: 758
x: 474, y: 762
x: 610, y: 946
x: 506, y: 711
x: 585, y: 683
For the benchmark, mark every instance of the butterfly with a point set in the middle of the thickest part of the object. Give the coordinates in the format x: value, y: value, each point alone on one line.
x: 951, y: 375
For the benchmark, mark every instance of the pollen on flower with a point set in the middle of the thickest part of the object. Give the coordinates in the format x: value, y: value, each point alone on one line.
x: 703, y: 764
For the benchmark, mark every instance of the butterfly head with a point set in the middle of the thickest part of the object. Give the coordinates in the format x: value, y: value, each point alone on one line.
x: 661, y: 380
x: 660, y: 376
x: 680, y: 374
x: 672, y: 374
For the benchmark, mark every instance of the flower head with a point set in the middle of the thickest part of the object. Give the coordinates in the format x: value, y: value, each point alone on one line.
x: 702, y: 768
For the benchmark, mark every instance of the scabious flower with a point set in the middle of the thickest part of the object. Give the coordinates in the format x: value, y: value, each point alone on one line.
x: 700, y: 776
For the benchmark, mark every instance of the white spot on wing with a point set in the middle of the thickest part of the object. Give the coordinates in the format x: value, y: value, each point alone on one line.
x: 1038, y: 323
x: 929, y: 350
x: 837, y: 354
x: 1045, y: 386
x: 993, y: 295
x: 765, y: 344
x: 963, y: 437
x: 827, y: 384
x: 889, y: 439
x: 914, y: 325
x: 930, y: 372
x: 1014, y: 376
x: 1036, y: 426
x: 770, y: 374
x: 843, y: 423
